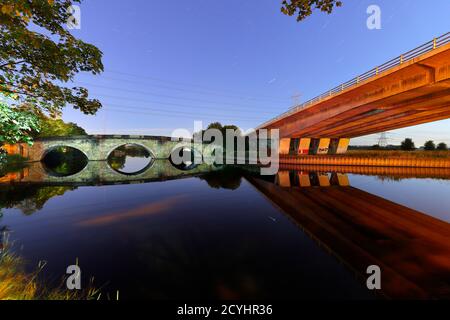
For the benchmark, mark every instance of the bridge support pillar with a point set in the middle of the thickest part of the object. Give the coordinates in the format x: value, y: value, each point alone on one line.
x: 324, y: 145
x: 343, y: 145
x: 303, y: 146
x: 285, y: 144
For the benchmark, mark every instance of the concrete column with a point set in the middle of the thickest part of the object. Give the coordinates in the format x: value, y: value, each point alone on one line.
x: 284, y: 146
x: 343, y: 145
x: 303, y: 146
x: 324, y: 145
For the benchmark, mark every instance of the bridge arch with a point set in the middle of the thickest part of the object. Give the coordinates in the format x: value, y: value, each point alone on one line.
x: 115, y: 146
x: 52, y: 147
x: 58, y: 166
x: 150, y: 163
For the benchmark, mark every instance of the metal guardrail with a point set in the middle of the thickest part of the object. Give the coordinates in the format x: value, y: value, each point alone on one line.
x: 408, y: 56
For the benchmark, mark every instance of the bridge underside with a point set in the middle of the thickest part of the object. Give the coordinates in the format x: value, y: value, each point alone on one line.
x: 412, y: 93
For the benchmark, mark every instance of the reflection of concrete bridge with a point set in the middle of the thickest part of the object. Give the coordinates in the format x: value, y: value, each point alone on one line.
x: 100, y: 173
x: 409, y: 90
x: 388, y: 172
x: 361, y: 229
x: 99, y: 147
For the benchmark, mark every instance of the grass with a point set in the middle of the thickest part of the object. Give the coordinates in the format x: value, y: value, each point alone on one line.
x: 16, y: 284
x: 417, y: 154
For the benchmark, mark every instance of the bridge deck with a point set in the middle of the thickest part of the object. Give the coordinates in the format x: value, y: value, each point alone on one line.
x: 410, y: 90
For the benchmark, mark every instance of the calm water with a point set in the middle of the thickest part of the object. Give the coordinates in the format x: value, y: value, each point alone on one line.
x: 230, y: 234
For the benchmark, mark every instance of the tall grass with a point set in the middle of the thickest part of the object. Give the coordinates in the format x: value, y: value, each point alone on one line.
x: 16, y: 284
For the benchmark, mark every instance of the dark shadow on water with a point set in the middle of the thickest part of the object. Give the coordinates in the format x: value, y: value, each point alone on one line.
x: 227, y: 178
x: 185, y: 158
x: 29, y: 198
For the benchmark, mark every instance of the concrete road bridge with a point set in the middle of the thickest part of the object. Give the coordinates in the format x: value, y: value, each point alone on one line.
x: 409, y: 90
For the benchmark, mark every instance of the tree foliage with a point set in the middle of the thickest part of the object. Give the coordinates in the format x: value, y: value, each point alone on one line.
x: 442, y: 146
x: 429, y: 145
x: 220, y: 127
x: 408, y: 144
x: 38, y: 54
x: 58, y: 128
x: 16, y: 125
x: 304, y: 8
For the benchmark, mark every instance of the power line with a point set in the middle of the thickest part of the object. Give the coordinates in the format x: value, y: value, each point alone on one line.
x: 177, y: 104
x: 171, y: 112
x: 187, y: 84
x: 156, y: 94
x: 203, y: 92
x: 167, y: 115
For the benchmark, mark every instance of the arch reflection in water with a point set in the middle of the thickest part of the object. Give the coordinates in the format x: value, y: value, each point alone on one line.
x: 185, y: 158
x: 130, y: 159
x: 64, y: 161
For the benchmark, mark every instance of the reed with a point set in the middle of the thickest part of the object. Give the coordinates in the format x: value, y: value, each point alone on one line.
x: 17, y: 284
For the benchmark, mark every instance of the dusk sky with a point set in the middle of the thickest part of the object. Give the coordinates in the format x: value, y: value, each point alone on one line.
x: 169, y: 63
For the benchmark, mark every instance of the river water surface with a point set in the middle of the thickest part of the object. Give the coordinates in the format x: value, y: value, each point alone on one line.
x: 229, y: 233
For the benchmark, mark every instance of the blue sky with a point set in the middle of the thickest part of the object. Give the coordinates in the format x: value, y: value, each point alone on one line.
x: 168, y: 63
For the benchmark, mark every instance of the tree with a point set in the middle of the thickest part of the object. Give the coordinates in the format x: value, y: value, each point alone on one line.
x: 16, y: 125
x: 442, y: 146
x: 58, y: 128
x: 429, y: 145
x: 304, y: 8
x: 34, y: 64
x: 408, y: 145
x: 215, y: 125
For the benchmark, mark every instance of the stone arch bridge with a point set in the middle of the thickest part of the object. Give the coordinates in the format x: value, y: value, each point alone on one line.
x: 99, y: 147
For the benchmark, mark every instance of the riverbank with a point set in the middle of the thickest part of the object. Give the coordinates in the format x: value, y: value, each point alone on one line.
x: 16, y: 284
x: 418, y: 154
x: 413, y: 159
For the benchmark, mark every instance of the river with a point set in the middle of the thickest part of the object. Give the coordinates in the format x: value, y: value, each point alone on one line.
x: 229, y: 233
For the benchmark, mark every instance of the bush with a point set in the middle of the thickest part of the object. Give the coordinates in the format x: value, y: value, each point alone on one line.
x: 429, y: 146
x: 408, y: 145
x: 442, y: 146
